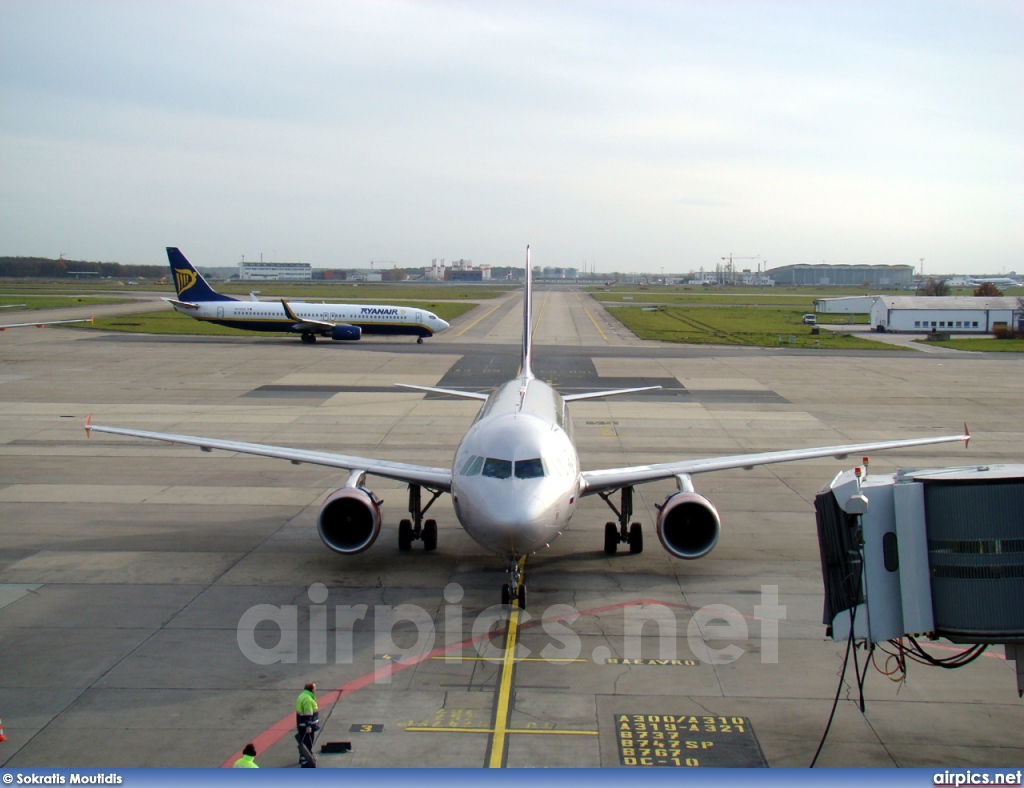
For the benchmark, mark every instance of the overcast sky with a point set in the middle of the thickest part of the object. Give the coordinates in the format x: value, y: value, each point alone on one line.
x: 622, y: 135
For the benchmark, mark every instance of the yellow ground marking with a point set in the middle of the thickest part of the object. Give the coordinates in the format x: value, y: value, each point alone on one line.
x: 518, y: 659
x: 540, y: 312
x: 504, y: 691
x: 487, y: 314
x: 592, y: 320
x: 502, y: 705
x: 547, y: 731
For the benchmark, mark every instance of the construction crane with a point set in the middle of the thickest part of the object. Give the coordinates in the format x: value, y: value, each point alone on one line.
x: 729, y: 274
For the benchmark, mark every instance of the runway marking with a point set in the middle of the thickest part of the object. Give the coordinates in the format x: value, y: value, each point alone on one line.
x: 496, y: 747
x: 592, y: 320
x: 508, y: 731
x: 536, y: 322
x: 488, y: 314
x: 517, y: 659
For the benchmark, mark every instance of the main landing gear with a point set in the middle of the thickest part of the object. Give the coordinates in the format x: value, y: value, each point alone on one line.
x: 631, y: 534
x: 308, y: 339
x: 514, y: 591
x: 416, y: 528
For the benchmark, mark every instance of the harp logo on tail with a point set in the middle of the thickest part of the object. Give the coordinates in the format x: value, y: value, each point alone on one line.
x: 184, y: 279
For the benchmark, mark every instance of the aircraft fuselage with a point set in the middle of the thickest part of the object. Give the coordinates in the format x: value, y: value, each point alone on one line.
x: 516, y: 474
x: 271, y: 316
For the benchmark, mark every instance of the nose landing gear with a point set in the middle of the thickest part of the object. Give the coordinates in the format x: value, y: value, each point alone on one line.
x: 514, y: 592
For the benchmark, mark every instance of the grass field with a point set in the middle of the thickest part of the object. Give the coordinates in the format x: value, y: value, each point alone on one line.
x: 171, y: 322
x: 757, y: 326
x: 981, y: 345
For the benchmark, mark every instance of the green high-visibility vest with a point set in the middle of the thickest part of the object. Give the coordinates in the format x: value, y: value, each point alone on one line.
x: 245, y: 762
x: 306, y: 703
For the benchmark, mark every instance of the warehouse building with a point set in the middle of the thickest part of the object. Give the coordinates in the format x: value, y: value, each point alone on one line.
x: 848, y: 305
x: 889, y: 276
x: 956, y: 314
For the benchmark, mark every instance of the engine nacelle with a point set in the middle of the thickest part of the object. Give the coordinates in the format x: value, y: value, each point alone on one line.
x: 688, y: 525
x: 346, y: 332
x: 349, y: 520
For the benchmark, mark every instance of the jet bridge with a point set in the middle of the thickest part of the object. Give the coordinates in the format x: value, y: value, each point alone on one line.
x: 936, y: 553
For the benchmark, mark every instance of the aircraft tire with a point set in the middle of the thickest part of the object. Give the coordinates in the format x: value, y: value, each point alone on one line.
x: 308, y: 339
x: 430, y: 535
x: 521, y: 596
x: 611, y: 538
x: 419, y: 340
x: 405, y: 535
x: 636, y: 538
x: 506, y: 594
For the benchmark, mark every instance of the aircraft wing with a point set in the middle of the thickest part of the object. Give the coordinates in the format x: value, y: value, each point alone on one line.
x: 615, y: 478
x: 600, y: 394
x: 41, y: 324
x: 304, y: 322
x: 451, y: 392
x: 437, y: 478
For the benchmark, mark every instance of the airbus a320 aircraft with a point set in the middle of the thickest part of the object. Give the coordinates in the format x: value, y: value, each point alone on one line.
x: 337, y: 321
x: 516, y: 478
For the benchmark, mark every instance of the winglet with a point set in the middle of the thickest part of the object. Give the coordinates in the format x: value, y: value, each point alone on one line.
x: 967, y: 435
x: 88, y: 427
x: 290, y: 312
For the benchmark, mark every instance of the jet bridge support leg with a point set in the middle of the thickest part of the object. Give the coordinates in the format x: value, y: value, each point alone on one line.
x: 624, y: 532
x: 416, y: 528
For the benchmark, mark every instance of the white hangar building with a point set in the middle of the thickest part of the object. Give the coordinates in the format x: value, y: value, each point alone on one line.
x: 845, y: 305
x: 959, y: 314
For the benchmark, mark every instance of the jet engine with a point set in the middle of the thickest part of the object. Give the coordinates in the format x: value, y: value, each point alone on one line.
x: 346, y: 332
x: 349, y: 520
x: 688, y: 525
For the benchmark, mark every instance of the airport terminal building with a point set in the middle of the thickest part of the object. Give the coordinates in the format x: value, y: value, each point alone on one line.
x: 889, y: 276
x: 275, y: 271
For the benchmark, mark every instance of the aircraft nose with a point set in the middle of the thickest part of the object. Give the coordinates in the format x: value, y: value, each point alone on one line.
x: 442, y: 323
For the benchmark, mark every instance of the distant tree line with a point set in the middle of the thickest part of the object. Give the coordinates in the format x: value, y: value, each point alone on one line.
x: 34, y: 267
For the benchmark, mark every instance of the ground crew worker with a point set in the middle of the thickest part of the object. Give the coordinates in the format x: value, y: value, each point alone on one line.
x: 246, y: 761
x: 307, y: 721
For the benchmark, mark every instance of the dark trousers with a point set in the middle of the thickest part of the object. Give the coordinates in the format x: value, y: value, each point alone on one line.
x: 304, y: 737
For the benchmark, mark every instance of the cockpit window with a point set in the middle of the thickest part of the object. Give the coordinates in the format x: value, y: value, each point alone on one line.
x: 497, y: 469
x: 473, y: 466
x: 529, y: 469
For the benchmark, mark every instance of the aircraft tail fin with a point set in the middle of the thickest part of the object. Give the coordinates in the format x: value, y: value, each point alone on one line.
x: 188, y: 282
x: 526, y: 364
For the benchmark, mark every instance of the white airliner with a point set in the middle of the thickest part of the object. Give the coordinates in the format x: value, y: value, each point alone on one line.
x: 515, y: 479
x: 337, y: 321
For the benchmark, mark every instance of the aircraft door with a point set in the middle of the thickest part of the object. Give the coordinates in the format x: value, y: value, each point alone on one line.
x: 220, y: 311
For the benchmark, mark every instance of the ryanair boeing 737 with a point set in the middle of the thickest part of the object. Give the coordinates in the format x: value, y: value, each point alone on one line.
x: 337, y: 321
x: 515, y: 478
